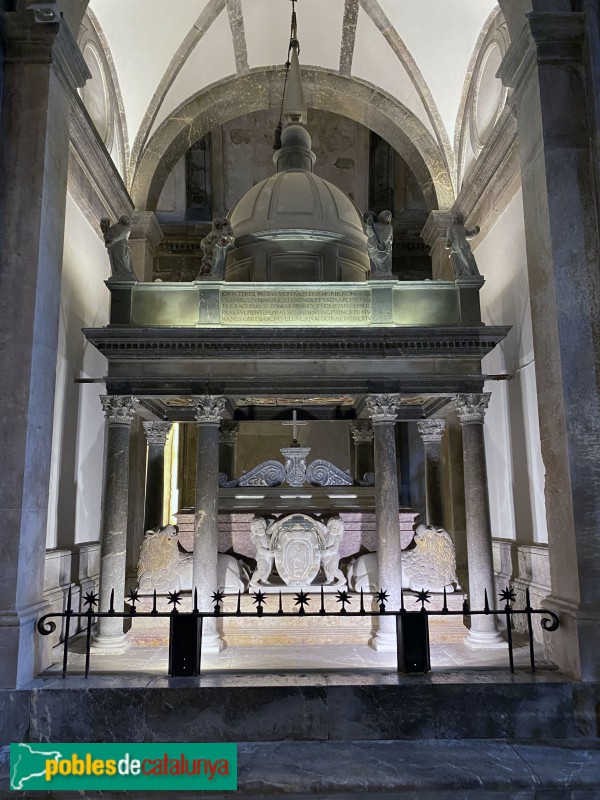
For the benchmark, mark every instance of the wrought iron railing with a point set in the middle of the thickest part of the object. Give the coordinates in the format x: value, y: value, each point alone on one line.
x: 412, y: 627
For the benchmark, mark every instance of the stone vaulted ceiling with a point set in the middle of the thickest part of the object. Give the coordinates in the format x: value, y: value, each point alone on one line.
x: 417, y: 51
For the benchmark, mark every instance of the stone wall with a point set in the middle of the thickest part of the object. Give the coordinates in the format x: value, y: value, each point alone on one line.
x: 522, y: 567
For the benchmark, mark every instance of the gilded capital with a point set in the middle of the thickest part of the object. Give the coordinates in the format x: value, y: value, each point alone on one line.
x: 209, y: 409
x: 382, y: 407
x: 431, y: 430
x: 157, y: 432
x: 471, y: 408
x: 119, y: 409
x: 362, y: 431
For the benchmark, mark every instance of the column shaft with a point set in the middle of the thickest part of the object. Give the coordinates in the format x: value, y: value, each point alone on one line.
x: 156, y: 436
x: 382, y: 409
x: 113, y: 546
x: 206, y: 525
x: 471, y: 412
x: 431, y: 431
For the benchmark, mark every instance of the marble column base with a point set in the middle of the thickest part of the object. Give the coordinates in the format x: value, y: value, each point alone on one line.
x: 107, y: 645
x: 484, y: 640
x: 213, y: 643
x: 384, y: 642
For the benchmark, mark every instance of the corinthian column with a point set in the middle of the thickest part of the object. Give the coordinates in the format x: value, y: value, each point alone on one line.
x: 362, y: 435
x: 119, y: 412
x: 382, y: 410
x: 431, y: 431
x: 471, y: 410
x: 228, y: 434
x: 156, y: 436
x: 209, y: 411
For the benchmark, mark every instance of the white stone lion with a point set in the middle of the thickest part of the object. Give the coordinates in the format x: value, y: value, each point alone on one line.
x: 163, y: 565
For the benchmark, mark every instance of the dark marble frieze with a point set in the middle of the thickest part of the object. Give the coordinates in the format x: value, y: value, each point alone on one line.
x: 240, y: 343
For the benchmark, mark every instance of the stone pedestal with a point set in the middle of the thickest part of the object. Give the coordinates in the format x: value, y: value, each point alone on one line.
x: 382, y: 410
x: 156, y: 435
x: 471, y: 410
x: 146, y: 235
x: 228, y: 434
x: 119, y: 413
x: 209, y: 411
x: 42, y: 70
x: 550, y: 66
x: 434, y: 236
x: 362, y: 436
x: 432, y: 431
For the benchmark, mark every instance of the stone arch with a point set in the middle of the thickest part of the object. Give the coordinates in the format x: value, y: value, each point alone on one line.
x: 325, y: 90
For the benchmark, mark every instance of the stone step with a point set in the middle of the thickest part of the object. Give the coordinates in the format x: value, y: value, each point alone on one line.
x: 421, y: 770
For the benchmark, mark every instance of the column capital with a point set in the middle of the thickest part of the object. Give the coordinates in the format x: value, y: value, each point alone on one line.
x: 157, y: 432
x: 471, y: 408
x: 146, y: 227
x: 362, y: 431
x: 29, y: 39
x: 431, y: 430
x: 436, y: 227
x: 209, y: 409
x: 228, y: 432
x: 545, y: 38
x: 382, y: 407
x: 119, y: 409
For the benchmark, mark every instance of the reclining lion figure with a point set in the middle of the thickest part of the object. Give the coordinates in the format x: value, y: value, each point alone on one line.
x: 165, y: 566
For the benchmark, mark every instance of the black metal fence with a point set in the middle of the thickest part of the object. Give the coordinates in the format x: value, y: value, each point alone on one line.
x: 186, y: 628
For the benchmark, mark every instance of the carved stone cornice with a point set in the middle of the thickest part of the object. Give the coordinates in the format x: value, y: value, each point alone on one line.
x: 209, y: 409
x: 382, y: 408
x: 545, y: 38
x: 471, y: 408
x: 93, y: 179
x: 119, y: 409
x: 362, y: 431
x: 436, y: 227
x: 228, y: 432
x: 157, y: 432
x: 28, y: 41
x: 145, y: 226
x: 431, y: 430
x: 494, y: 177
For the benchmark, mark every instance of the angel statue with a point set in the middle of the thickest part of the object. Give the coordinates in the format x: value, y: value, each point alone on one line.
x: 222, y: 246
x: 208, y: 246
x: 116, y: 239
x: 330, y: 557
x: 380, y: 238
x: 461, y: 256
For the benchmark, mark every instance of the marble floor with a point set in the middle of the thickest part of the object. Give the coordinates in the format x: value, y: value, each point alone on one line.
x: 266, y: 660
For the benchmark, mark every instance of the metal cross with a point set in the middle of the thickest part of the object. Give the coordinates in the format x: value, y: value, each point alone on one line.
x: 294, y: 424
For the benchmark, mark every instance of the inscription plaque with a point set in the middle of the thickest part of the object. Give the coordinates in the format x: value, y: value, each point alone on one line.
x: 296, y: 307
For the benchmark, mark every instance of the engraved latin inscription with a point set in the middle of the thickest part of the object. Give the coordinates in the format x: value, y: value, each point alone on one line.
x: 294, y: 307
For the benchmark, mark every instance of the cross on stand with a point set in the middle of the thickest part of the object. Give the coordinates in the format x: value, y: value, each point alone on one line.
x: 294, y: 424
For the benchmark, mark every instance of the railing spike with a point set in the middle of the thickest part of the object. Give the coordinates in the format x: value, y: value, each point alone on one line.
x: 445, y: 608
x: 239, y: 603
x: 362, y: 602
x: 195, y: 600
x: 486, y: 605
x: 111, y: 609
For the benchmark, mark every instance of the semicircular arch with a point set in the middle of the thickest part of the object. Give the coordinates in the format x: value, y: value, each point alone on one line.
x: 325, y: 90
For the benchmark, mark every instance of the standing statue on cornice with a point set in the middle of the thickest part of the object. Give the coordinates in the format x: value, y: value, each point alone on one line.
x: 223, y: 245
x: 116, y: 239
x: 380, y: 238
x: 461, y: 256
x: 208, y: 246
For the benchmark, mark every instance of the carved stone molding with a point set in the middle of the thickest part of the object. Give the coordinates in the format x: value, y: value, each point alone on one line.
x: 431, y: 430
x: 471, y: 408
x: 146, y: 227
x: 28, y: 41
x: 436, y: 227
x: 119, y: 409
x: 157, y: 432
x: 382, y: 407
x: 228, y: 432
x: 550, y: 38
x: 209, y: 409
x: 362, y: 431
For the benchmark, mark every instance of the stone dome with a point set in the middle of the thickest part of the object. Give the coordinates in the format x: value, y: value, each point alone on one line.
x: 295, y: 226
